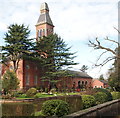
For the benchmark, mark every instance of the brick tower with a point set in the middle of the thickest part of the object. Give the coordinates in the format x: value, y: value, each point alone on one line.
x: 44, y: 26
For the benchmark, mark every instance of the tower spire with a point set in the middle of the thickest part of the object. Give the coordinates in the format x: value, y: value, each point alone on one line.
x: 44, y: 26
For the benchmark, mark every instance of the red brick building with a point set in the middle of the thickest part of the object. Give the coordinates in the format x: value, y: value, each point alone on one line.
x: 29, y: 73
x: 100, y: 84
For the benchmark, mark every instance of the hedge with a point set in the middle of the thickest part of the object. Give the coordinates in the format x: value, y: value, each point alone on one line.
x: 100, y: 97
x: 88, y: 101
x: 55, y: 107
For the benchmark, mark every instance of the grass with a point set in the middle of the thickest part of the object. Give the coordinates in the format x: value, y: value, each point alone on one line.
x: 49, y: 95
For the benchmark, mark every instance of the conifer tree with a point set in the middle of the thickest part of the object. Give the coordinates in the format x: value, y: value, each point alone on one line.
x: 9, y: 81
x: 55, y: 57
x: 17, y: 44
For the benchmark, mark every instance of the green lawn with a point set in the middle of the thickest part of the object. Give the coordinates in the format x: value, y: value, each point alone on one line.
x: 48, y: 95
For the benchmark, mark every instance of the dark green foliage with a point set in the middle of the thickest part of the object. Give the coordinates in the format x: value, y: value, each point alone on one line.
x: 54, y: 56
x: 55, y: 107
x: 38, y: 113
x: 115, y: 95
x: 17, y: 44
x: 101, y: 77
x: 109, y: 96
x: 100, y: 97
x: 8, y: 96
x: 31, y: 92
x: 114, y: 73
x: 17, y: 93
x: 37, y: 95
x: 23, y: 96
x: 88, y: 101
x: 10, y: 81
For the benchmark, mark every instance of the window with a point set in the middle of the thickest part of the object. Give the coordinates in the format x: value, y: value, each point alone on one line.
x: 39, y: 33
x: 86, y: 82
x: 78, y: 84
x: 27, y: 67
x: 82, y: 82
x: 27, y: 79
x: 43, y: 32
x: 35, y: 79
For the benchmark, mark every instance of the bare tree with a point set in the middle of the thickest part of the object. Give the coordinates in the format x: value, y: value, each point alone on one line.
x: 98, y: 46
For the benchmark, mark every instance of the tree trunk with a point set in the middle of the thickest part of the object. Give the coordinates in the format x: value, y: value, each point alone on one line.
x: 14, y: 66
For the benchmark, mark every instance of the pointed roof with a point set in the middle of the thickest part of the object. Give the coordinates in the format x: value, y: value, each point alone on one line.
x: 44, y: 6
x: 44, y: 16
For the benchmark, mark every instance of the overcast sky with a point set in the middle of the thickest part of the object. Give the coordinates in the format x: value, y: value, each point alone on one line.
x: 76, y: 21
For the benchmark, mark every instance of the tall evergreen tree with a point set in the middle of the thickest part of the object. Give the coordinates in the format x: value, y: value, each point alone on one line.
x: 101, y: 77
x: 17, y: 44
x: 55, y: 57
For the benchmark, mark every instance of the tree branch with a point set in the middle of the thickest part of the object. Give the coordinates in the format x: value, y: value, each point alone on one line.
x: 112, y: 41
x: 99, y: 46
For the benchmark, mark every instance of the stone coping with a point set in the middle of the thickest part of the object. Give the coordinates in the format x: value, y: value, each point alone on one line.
x: 14, y: 100
x: 91, y: 109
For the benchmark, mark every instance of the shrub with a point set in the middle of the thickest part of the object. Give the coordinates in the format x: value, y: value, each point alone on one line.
x: 10, y: 81
x: 37, y: 95
x: 100, y: 97
x: 20, y: 92
x: 31, y: 92
x: 7, y: 96
x: 23, y: 96
x: 38, y: 113
x: 115, y: 95
x: 109, y: 96
x: 55, y: 107
x: 88, y: 101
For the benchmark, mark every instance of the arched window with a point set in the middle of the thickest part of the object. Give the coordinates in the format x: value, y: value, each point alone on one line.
x: 78, y: 84
x: 38, y: 33
x: 86, y: 82
x: 27, y: 79
x: 82, y: 82
x: 35, y: 79
x: 43, y: 32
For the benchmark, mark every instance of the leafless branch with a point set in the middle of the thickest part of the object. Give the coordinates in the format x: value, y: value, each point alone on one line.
x: 117, y: 30
x: 101, y: 55
x: 105, y: 61
x: 97, y: 45
x: 112, y: 41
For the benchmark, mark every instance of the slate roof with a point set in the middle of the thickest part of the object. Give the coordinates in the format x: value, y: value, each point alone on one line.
x: 79, y: 74
x: 44, y: 17
x: 103, y: 81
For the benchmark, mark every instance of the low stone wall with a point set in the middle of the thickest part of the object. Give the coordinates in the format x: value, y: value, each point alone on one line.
x: 107, y: 109
x: 27, y: 106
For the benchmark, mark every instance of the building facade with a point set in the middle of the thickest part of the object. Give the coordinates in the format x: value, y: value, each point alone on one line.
x: 29, y: 72
x: 100, y: 84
